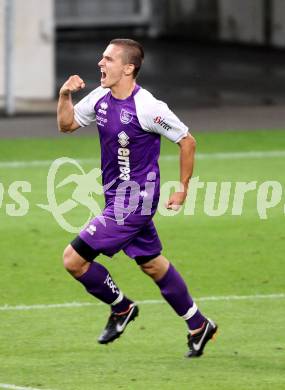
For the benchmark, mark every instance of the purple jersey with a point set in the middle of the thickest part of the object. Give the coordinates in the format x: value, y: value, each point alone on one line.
x: 130, y: 132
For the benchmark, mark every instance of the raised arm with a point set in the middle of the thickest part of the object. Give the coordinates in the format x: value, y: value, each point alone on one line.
x: 65, y: 110
x: 187, y: 151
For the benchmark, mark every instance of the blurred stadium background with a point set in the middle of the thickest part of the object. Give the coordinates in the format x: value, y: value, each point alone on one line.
x: 218, y: 54
x: 220, y: 64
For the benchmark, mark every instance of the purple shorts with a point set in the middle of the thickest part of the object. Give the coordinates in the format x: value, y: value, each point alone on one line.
x: 137, y: 236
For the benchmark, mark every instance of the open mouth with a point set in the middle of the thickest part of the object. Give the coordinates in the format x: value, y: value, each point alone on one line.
x: 103, y: 75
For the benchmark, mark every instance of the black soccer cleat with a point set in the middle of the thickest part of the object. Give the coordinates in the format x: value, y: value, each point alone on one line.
x: 117, y: 324
x: 197, y: 342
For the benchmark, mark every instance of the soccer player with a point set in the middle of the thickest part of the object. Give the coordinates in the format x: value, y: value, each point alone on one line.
x: 130, y: 122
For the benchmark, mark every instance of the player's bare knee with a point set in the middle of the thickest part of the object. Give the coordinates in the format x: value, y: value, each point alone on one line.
x: 156, y: 268
x: 67, y: 258
x: 148, y: 269
x: 72, y: 262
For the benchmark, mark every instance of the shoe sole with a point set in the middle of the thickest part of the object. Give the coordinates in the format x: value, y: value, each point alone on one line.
x: 132, y: 317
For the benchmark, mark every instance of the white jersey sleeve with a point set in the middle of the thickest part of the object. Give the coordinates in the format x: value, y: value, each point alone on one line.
x: 84, y: 112
x: 155, y: 116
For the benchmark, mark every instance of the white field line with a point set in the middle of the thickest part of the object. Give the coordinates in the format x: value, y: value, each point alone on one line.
x: 169, y: 157
x: 145, y: 302
x: 83, y: 304
x: 14, y: 387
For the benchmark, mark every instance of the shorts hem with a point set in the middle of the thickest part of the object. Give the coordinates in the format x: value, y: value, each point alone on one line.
x: 145, y: 259
x: 84, y: 250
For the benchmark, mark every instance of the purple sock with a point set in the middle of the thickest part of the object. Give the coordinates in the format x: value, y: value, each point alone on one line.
x: 99, y: 283
x: 174, y: 291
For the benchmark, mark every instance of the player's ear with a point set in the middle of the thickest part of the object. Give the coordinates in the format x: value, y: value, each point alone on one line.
x: 129, y: 69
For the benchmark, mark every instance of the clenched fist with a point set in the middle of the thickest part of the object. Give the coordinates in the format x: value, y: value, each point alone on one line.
x: 73, y: 84
x: 176, y: 200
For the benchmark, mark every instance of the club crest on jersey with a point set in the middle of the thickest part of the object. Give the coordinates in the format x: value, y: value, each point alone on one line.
x: 125, y: 117
x: 161, y: 122
x: 123, y: 139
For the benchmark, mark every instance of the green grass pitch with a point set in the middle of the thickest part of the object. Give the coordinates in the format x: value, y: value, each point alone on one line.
x: 56, y: 348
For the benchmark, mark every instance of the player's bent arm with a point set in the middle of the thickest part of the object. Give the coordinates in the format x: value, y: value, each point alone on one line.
x: 187, y: 153
x: 65, y: 109
x: 65, y: 115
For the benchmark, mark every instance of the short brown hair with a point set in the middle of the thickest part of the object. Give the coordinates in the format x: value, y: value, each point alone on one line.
x: 133, y: 50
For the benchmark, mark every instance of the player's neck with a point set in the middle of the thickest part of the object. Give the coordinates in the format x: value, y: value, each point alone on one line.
x: 124, y: 90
